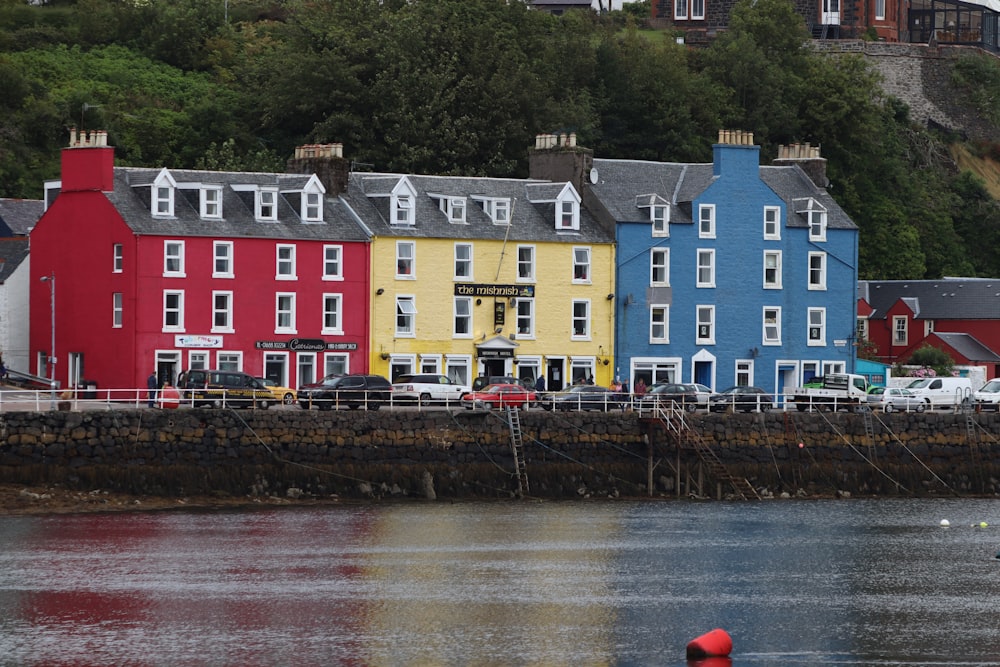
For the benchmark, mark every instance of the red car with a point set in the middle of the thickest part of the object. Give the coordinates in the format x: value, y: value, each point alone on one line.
x: 499, y: 396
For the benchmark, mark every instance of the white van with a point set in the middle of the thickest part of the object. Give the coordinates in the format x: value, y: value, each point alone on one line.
x: 942, y: 392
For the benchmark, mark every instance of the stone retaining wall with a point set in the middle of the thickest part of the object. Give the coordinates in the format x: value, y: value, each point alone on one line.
x: 467, y: 454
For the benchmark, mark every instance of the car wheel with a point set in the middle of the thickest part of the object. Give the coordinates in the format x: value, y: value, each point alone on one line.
x: 324, y: 405
x: 425, y: 399
x: 888, y: 407
x: 288, y: 399
x: 373, y: 406
x: 490, y: 405
x: 217, y: 403
x: 920, y: 407
x: 263, y: 405
x: 690, y: 407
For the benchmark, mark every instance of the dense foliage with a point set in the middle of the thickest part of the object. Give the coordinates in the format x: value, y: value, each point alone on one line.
x: 462, y: 87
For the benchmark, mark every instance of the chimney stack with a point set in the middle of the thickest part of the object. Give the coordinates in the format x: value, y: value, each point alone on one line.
x: 736, y: 153
x: 88, y: 163
x: 808, y: 159
x: 326, y: 161
x: 557, y: 158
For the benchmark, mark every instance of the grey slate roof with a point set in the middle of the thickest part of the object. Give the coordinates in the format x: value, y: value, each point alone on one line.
x: 532, y: 211
x: 943, y: 299
x: 131, y: 197
x: 13, y: 252
x: 967, y: 345
x: 791, y: 183
x: 18, y: 216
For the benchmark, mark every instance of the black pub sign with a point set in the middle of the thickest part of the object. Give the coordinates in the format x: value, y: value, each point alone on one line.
x: 498, y: 291
x: 304, y: 345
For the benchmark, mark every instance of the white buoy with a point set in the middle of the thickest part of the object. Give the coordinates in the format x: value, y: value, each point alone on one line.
x: 945, y: 523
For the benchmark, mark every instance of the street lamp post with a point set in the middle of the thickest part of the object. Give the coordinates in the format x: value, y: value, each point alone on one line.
x: 51, y: 280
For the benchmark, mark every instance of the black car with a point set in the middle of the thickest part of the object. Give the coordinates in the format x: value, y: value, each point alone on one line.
x: 352, y: 391
x: 669, y: 394
x: 742, y: 398
x: 582, y: 397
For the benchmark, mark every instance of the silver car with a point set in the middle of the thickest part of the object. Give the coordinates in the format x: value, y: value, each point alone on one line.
x: 895, y: 398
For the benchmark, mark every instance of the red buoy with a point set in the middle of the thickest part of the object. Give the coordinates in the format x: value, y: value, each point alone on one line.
x: 170, y: 398
x: 711, y: 662
x: 716, y: 643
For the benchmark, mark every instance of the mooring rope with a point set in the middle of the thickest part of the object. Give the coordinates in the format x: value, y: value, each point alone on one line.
x: 910, y: 452
x: 860, y: 453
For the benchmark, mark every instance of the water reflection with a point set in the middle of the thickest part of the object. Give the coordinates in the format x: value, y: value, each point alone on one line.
x: 794, y: 583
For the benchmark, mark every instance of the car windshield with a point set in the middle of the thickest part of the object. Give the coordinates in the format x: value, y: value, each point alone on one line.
x: 991, y: 386
x: 917, y: 384
x: 877, y: 391
x: 494, y: 389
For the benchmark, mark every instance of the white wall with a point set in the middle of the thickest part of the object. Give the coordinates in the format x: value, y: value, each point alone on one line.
x: 14, y: 319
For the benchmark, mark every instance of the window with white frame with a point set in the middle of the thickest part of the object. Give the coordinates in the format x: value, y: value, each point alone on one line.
x: 312, y: 206
x: 928, y: 327
x: 266, y: 204
x: 817, y: 225
x: 744, y: 373
x: 284, y: 313
x: 463, y: 317
x: 117, y: 306
x: 817, y: 326
x: 525, y: 263
x: 830, y: 367
x: 772, y: 223
x: 405, y: 260
x: 333, y: 314
x: 430, y: 363
x: 198, y: 360
x: 772, y: 269
x: 305, y: 367
x: 705, y: 334
x: 526, y: 318
x: 333, y: 267
x: 406, y: 316
x: 173, y: 310
x: 861, y: 329
x: 706, y: 221
x: 211, y: 202
x: 173, y: 259
x: 402, y: 204
x: 567, y: 211
x: 659, y: 215
x: 230, y: 361
x: 454, y: 208
x: 899, y: 330
x: 879, y: 10
x: 457, y: 368
x: 164, y: 188
x: 772, y: 326
x: 222, y: 312
x: 659, y: 323
x: 680, y: 10
x: 222, y: 262
x: 118, y: 252
x: 285, y: 262
x: 497, y: 209
x: 336, y: 364
x: 659, y: 267
x: 581, y: 265
x: 817, y: 270
x: 463, y: 261
x: 706, y: 268
x: 697, y: 10
x: 581, y: 320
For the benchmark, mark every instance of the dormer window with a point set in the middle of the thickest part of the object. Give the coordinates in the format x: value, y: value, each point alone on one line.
x: 211, y: 202
x: 163, y: 195
x: 497, y: 209
x: 817, y: 225
x: 312, y: 207
x: 568, y: 210
x: 402, y: 204
x: 454, y: 208
x: 267, y: 204
x: 659, y: 213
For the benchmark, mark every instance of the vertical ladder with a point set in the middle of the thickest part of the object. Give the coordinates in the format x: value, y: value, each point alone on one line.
x: 866, y: 411
x: 517, y: 448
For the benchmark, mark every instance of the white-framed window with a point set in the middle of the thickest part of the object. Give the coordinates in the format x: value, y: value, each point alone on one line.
x: 879, y: 10
x: 567, y: 210
x: 525, y: 318
x: 333, y: 314
x: 706, y: 221
x: 659, y: 323
x: 772, y: 223
x: 705, y: 334
x: 817, y: 225
x: 861, y: 329
x: 312, y: 206
x: 117, y: 310
x: 454, y: 208
x: 222, y: 312
x: 772, y: 326
x: 406, y: 316
x: 706, y: 268
x: 173, y: 310
x: 581, y: 320
x: 266, y: 204
x: 333, y: 262
x: 463, y: 261
x: 305, y: 367
x: 284, y: 262
x: 430, y: 363
x: 659, y: 215
x: 229, y: 361
x: 406, y: 260
x: 211, y: 202
x: 402, y: 203
x: 458, y: 368
x: 118, y: 254
x: 164, y: 188
x: 817, y: 326
x: 581, y: 265
x: 222, y: 259
x: 284, y: 312
x: 900, y: 326
x: 817, y: 270
x: 525, y: 263
x: 744, y: 372
x: 697, y: 10
x: 336, y: 363
x: 497, y: 209
x: 772, y: 269
x: 830, y: 367
x: 173, y: 259
x: 928, y: 327
x: 680, y: 10
x: 197, y: 360
x: 659, y: 267
x: 462, y: 317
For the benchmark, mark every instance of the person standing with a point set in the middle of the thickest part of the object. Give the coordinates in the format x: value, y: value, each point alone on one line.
x: 152, y: 384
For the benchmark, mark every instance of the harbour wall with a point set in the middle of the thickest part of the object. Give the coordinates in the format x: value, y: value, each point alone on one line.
x: 466, y: 454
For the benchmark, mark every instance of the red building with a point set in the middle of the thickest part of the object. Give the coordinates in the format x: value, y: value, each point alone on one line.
x: 173, y: 269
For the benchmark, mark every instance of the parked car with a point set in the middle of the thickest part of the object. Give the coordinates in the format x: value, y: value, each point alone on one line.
x: 427, y: 388
x: 582, y: 397
x: 942, y: 392
x: 499, y: 396
x: 284, y: 394
x: 223, y: 389
x: 988, y: 396
x: 481, y: 382
x: 742, y: 398
x: 667, y: 394
x: 704, y: 394
x: 895, y: 398
x: 353, y: 391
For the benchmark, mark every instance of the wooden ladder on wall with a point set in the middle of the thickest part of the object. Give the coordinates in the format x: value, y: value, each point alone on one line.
x: 517, y: 449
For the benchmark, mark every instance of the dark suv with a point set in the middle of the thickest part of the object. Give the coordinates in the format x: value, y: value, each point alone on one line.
x: 353, y: 391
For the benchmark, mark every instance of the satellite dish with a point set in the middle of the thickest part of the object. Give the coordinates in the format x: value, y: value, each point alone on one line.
x: 593, y: 175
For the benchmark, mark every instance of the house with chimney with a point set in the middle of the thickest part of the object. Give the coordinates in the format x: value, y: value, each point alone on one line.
x: 727, y: 273
x: 17, y: 217
x: 160, y: 269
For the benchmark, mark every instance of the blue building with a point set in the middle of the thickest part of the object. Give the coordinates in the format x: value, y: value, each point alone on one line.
x: 729, y: 273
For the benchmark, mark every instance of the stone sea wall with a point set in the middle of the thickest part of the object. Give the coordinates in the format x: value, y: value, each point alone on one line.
x: 462, y: 454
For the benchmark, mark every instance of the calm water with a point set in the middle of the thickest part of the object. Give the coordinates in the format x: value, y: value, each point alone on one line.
x: 794, y: 582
